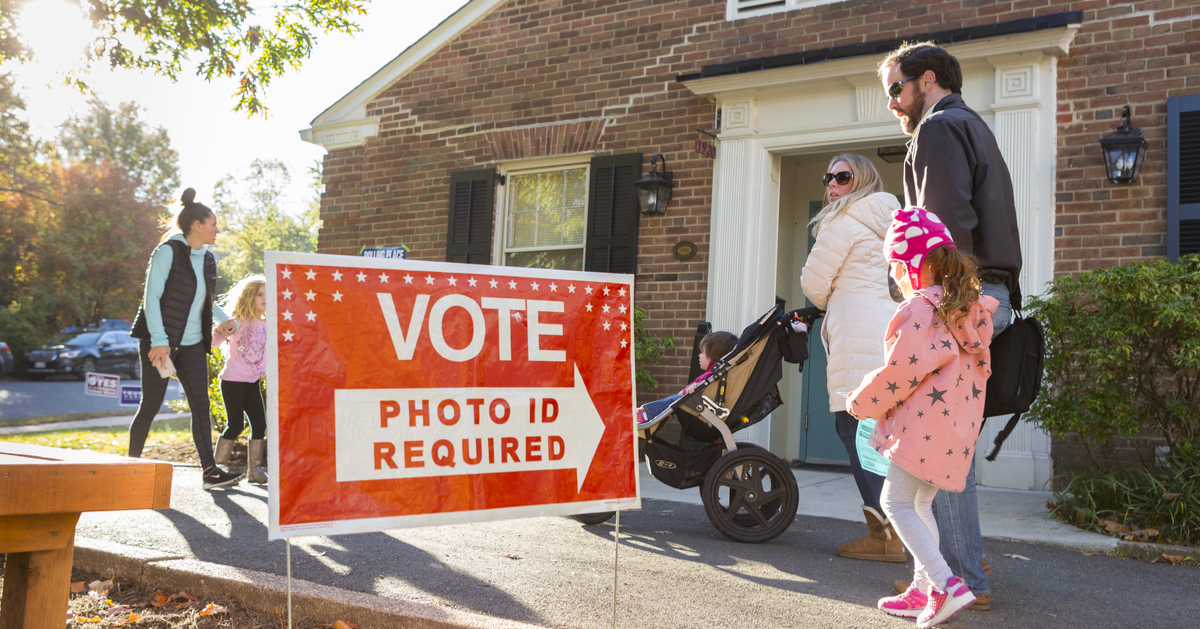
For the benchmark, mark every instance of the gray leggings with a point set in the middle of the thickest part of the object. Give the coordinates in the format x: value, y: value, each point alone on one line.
x: 908, y: 503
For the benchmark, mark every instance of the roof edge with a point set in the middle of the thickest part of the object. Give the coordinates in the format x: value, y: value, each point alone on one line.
x: 352, y: 106
x: 881, y: 47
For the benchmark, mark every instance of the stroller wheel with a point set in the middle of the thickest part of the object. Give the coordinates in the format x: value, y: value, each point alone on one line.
x: 750, y: 495
x: 594, y: 518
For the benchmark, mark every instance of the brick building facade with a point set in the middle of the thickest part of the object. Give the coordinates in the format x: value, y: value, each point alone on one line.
x: 529, y: 86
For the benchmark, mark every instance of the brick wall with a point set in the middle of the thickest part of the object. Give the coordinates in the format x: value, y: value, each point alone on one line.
x: 544, y: 62
x: 1137, y: 54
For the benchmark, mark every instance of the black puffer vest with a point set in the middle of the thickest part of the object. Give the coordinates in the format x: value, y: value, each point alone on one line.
x: 177, y: 297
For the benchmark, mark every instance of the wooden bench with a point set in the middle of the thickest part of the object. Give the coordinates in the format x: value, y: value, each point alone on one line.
x: 43, y: 491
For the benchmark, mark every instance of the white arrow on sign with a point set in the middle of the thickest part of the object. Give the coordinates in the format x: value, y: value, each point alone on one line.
x: 421, y: 433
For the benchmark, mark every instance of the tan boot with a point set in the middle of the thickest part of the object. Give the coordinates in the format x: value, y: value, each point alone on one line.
x: 258, y: 458
x: 224, y: 450
x: 882, y: 544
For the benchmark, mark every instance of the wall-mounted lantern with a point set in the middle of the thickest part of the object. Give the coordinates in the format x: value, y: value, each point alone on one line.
x: 654, y: 190
x: 1124, y: 150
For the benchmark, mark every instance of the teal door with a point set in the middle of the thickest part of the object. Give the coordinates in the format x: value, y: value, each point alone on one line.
x: 819, y: 442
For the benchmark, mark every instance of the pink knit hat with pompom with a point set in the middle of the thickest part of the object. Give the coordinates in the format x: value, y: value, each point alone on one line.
x: 914, y: 233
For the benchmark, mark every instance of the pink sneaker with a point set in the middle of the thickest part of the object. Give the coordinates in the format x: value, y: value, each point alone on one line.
x: 945, y: 603
x: 910, y: 604
x: 641, y: 415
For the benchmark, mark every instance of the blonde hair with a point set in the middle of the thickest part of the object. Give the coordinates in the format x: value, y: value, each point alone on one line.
x: 865, y: 183
x: 241, y: 298
x: 957, y: 274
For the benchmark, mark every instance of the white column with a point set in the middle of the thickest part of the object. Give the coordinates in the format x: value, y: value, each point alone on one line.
x: 743, y: 242
x: 1024, y: 128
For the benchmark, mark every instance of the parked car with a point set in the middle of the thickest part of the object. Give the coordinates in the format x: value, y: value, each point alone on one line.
x: 77, y: 353
x: 6, y: 359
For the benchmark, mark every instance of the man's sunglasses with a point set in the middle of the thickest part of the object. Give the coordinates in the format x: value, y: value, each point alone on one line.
x: 842, y: 178
x: 895, y: 88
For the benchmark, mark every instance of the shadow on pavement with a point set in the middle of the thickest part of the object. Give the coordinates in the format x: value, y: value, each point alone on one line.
x: 359, y: 562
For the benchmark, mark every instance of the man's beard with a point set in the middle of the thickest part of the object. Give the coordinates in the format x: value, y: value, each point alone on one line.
x: 912, y: 116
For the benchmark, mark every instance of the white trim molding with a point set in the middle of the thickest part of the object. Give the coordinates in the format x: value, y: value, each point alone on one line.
x: 341, y: 135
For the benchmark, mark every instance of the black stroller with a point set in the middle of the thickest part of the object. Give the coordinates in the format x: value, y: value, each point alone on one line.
x: 749, y: 494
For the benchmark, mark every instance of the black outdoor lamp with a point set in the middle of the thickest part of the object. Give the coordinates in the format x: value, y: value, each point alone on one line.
x: 1124, y: 150
x: 654, y: 190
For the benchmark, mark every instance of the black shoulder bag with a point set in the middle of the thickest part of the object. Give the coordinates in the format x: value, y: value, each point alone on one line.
x: 1016, y: 378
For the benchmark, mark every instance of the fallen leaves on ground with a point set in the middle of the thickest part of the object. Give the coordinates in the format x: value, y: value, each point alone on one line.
x: 1112, y: 526
x: 344, y: 624
x: 132, y: 605
x: 1140, y: 535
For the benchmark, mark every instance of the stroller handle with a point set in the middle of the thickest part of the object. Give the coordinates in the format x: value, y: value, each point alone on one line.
x: 807, y: 315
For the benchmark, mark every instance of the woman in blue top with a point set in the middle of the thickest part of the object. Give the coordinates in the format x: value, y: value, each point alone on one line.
x: 175, y: 320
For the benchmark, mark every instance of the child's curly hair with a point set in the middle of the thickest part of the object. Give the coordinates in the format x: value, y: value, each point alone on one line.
x: 959, y: 277
x: 241, y: 298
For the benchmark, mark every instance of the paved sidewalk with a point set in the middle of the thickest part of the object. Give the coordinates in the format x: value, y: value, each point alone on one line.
x: 115, y: 420
x: 1003, y: 513
x: 675, y: 570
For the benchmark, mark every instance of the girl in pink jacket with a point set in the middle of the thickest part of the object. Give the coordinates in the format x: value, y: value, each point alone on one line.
x: 245, y: 365
x: 928, y: 399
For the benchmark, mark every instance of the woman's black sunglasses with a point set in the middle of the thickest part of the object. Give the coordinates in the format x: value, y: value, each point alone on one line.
x: 895, y: 88
x: 842, y: 178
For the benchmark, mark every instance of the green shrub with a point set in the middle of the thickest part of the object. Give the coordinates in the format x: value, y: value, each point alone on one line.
x: 647, y: 348
x: 1133, y: 499
x: 1123, y: 355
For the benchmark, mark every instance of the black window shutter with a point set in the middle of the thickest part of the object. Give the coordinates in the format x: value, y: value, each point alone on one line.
x: 1183, y: 176
x: 472, y: 208
x: 613, y: 215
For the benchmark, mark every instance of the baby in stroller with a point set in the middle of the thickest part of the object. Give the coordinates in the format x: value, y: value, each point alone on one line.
x: 749, y: 494
x: 714, y: 344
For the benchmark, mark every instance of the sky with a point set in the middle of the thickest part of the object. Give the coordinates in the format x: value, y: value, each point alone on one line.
x: 211, y: 139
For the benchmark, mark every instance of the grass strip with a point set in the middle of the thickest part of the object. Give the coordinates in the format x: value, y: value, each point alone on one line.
x: 107, y: 439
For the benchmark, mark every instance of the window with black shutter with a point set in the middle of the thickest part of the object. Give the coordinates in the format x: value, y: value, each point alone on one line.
x: 1183, y: 176
x: 545, y: 216
x: 613, y: 215
x: 472, y: 206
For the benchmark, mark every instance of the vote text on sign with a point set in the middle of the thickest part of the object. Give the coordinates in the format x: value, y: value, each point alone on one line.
x: 414, y: 393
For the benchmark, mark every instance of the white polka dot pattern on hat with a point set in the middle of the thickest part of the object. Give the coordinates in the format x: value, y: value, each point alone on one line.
x: 914, y: 233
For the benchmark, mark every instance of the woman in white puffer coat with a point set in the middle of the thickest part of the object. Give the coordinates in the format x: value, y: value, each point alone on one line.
x: 846, y: 275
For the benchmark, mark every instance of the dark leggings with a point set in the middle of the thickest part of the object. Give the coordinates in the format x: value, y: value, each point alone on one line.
x: 191, y: 367
x: 243, y: 397
x: 870, y: 485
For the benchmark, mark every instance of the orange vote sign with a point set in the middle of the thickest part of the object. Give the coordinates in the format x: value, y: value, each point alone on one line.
x: 406, y: 393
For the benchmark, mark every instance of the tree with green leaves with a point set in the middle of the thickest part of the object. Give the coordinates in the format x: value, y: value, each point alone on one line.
x: 254, y: 219
x: 85, y: 253
x: 120, y: 136
x: 22, y: 190
x: 230, y: 39
x: 74, y: 237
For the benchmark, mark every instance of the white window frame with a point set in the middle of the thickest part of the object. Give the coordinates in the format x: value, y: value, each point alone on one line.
x: 534, y: 167
x: 742, y: 9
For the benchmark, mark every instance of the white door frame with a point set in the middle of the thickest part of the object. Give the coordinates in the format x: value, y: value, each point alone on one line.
x: 1010, y: 81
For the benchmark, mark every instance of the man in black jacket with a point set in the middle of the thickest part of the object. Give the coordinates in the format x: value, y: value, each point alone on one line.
x: 955, y: 170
